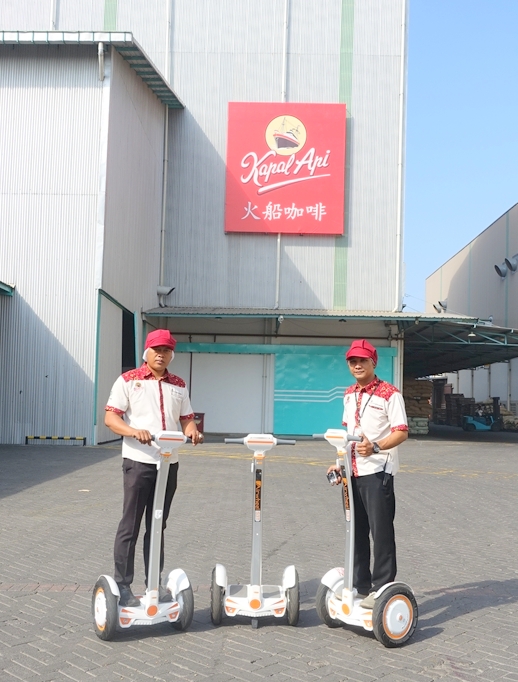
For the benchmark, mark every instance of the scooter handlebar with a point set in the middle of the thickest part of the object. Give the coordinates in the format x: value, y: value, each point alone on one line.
x: 154, y: 438
x: 321, y: 436
x: 234, y: 440
x: 280, y: 441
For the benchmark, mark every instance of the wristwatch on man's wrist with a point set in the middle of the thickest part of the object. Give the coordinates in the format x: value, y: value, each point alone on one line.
x: 375, y: 448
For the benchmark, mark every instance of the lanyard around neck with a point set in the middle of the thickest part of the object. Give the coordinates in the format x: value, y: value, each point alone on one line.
x: 360, y: 414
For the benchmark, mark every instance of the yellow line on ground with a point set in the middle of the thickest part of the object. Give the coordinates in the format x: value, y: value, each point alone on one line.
x: 327, y: 459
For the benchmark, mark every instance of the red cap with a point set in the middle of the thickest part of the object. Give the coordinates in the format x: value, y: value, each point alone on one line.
x: 160, y: 337
x: 362, y: 349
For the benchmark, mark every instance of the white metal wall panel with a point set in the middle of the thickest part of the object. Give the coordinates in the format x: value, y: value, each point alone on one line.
x: 373, y: 181
x: 48, y: 199
x: 468, y: 279
x: 29, y: 15
x: 109, y: 361
x: 134, y: 171
x: 79, y: 15
x: 147, y: 21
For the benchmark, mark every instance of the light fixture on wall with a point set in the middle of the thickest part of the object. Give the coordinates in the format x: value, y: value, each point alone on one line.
x: 162, y: 292
x: 441, y: 306
x: 512, y: 263
x: 501, y: 270
x: 472, y: 332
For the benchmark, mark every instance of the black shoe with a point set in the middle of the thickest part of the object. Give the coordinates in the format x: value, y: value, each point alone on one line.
x: 164, y: 596
x: 127, y: 597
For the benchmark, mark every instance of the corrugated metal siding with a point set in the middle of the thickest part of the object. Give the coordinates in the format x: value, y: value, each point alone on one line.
x: 234, y: 53
x: 80, y: 15
x: 374, y: 154
x: 147, y: 21
x: 48, y: 194
x: 109, y: 363
x: 218, y: 58
x: 131, y: 264
x: 29, y: 15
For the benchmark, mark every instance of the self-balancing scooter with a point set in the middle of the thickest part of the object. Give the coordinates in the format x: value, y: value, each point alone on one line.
x: 107, y: 613
x: 394, y: 616
x: 256, y: 600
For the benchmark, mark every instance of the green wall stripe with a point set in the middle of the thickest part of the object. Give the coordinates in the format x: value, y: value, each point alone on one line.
x: 110, y: 15
x: 344, y: 97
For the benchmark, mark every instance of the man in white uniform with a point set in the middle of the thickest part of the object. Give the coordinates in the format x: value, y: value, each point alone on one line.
x: 375, y: 410
x: 143, y: 402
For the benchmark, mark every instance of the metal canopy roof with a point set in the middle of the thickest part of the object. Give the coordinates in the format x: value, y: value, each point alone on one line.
x: 437, y: 346
x: 434, y: 343
x: 389, y: 317
x: 6, y: 289
x: 122, y: 41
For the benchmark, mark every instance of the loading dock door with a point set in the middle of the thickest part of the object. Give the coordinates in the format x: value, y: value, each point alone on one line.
x: 227, y: 388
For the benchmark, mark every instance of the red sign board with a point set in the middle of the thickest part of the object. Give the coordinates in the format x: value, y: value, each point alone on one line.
x: 285, y: 168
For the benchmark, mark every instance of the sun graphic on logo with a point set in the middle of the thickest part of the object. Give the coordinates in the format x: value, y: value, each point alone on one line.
x: 285, y: 135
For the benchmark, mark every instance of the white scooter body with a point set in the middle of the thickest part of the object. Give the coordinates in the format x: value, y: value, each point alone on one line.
x: 394, y: 616
x: 107, y: 613
x: 256, y: 600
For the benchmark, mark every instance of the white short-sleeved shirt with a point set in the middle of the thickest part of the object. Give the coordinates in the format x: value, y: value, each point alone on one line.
x: 147, y: 403
x: 375, y: 411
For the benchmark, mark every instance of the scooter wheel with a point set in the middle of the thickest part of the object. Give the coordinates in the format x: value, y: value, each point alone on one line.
x: 394, y: 616
x: 470, y: 427
x: 105, y: 610
x: 293, y: 602
x: 216, y: 600
x: 185, y: 599
x: 321, y: 604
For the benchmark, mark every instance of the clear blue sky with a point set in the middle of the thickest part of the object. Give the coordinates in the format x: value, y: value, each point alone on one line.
x: 462, y: 129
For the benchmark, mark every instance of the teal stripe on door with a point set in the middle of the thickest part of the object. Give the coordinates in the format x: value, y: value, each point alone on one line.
x: 309, y: 389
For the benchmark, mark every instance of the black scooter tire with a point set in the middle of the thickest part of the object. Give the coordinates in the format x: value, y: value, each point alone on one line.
x: 105, y: 611
x: 216, y: 600
x: 323, y: 594
x: 293, y: 602
x: 186, y: 600
x: 394, y: 616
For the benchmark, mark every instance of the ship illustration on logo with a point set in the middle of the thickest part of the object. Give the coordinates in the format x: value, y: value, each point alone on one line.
x: 285, y: 135
x: 286, y: 139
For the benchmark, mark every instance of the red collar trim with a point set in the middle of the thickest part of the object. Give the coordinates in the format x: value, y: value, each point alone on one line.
x: 370, y: 388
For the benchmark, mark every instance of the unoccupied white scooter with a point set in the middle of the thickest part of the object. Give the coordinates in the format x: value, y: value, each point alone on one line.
x: 256, y: 600
x: 394, y: 616
x: 108, y: 615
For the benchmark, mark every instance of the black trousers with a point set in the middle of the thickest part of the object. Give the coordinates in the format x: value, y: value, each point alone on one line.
x: 139, y: 489
x: 374, y: 508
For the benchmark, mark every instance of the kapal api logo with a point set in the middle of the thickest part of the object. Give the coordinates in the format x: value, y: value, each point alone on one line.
x: 285, y: 168
x: 285, y: 136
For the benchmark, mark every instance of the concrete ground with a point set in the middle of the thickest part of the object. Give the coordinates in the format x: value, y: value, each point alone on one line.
x: 456, y: 532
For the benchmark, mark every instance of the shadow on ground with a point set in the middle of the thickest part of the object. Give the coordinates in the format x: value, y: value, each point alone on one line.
x: 24, y: 466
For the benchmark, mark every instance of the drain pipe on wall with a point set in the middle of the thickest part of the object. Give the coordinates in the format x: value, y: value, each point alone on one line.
x: 167, y: 73
x: 54, y: 15
x: 283, y: 99
x: 164, y: 194
x: 401, y: 151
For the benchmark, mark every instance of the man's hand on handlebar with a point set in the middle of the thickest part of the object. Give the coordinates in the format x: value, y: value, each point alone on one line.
x: 365, y: 448
x: 142, y: 436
